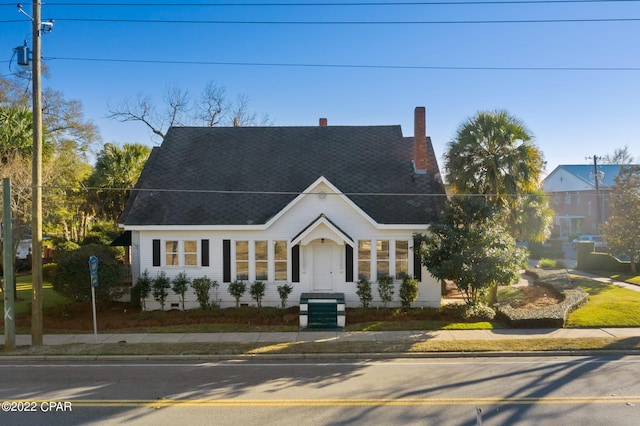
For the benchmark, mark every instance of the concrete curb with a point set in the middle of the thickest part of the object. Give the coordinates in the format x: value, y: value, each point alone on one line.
x: 326, y: 356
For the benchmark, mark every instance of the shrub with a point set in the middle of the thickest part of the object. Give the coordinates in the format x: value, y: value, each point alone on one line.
x: 180, y: 285
x: 408, y: 291
x: 545, y: 263
x: 160, y: 288
x: 72, y: 279
x: 479, y: 312
x: 257, y: 290
x: 385, y: 289
x: 143, y: 288
x: 283, y: 291
x: 237, y: 289
x: 453, y: 311
x: 48, y: 271
x: 202, y: 286
x: 364, y: 292
x: 538, y: 250
x: 66, y: 246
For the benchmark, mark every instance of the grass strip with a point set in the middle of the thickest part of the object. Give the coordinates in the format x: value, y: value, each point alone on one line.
x: 329, y: 347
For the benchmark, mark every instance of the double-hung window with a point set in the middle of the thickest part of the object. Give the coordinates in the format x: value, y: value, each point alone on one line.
x: 280, y: 260
x: 364, y: 259
x: 172, y: 254
x: 262, y: 260
x: 382, y: 257
x: 242, y: 260
x: 402, y: 259
x: 181, y: 253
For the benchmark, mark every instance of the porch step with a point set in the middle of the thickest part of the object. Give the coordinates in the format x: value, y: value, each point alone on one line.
x: 322, y: 311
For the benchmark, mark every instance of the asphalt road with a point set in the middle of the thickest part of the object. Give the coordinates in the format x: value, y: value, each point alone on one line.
x: 449, y: 391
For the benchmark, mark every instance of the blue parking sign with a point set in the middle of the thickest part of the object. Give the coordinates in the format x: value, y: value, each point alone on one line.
x: 93, y: 269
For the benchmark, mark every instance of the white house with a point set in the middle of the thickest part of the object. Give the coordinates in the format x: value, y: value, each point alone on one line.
x: 317, y: 207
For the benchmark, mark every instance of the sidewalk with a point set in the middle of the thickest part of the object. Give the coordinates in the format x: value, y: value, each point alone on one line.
x: 344, y: 336
x: 330, y: 336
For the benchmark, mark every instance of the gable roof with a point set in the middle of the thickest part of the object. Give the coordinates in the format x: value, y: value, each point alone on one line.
x: 584, y: 172
x: 246, y: 175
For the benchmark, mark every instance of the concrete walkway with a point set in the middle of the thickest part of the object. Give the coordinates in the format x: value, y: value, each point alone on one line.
x: 330, y: 336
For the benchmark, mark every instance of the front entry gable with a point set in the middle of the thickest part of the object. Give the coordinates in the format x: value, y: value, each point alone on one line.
x: 322, y: 228
x: 322, y: 190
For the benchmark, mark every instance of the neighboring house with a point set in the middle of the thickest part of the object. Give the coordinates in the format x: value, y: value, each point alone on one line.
x: 24, y: 249
x: 572, y: 195
x: 315, y: 207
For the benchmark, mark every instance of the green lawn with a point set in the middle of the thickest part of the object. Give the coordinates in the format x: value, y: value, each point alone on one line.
x: 50, y: 298
x: 608, y: 306
x: 631, y: 279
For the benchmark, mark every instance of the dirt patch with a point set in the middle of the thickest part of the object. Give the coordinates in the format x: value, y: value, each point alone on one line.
x: 120, y: 316
x: 535, y: 296
x: 78, y: 316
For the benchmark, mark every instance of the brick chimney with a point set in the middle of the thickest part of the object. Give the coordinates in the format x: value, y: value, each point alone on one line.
x: 323, y: 122
x: 420, y: 139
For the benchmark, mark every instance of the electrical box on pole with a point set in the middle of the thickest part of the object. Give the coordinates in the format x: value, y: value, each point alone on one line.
x: 23, y: 53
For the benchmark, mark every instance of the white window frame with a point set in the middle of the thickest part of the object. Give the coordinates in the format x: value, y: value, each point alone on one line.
x: 246, y: 261
x: 180, y: 253
x: 277, y: 262
x: 396, y: 259
x: 264, y: 263
x: 369, y: 260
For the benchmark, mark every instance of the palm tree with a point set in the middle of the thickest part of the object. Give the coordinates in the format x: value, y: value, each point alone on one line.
x: 493, y: 154
x: 16, y: 134
x: 115, y: 173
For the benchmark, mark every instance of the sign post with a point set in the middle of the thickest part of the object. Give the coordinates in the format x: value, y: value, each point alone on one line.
x: 93, y: 269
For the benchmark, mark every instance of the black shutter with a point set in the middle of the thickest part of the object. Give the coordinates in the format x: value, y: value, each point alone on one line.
x: 295, y: 264
x: 348, y: 264
x: 417, y: 262
x: 226, y: 261
x: 204, y: 254
x: 156, y: 252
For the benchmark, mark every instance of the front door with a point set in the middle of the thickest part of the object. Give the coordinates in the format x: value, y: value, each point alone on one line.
x: 323, y: 267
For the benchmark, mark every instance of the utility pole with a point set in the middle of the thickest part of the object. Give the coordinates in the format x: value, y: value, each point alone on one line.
x: 7, y: 259
x: 595, y: 179
x: 36, y: 183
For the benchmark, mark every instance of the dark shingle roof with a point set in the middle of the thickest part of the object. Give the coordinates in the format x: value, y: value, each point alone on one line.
x: 246, y: 175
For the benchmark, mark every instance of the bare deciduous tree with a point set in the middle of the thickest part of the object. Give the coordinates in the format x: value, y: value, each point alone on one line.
x: 619, y: 156
x: 210, y: 109
x: 141, y: 110
x: 212, y: 106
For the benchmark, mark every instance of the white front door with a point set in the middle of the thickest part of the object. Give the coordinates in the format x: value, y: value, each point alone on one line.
x: 323, y: 267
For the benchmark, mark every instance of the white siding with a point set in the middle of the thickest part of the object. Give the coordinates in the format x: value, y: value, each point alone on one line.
x: 289, y: 224
x: 563, y: 181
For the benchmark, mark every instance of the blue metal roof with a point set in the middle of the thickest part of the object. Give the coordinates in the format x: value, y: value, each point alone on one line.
x: 585, y: 172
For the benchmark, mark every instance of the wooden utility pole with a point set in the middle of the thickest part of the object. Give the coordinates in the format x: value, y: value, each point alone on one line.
x: 36, y: 183
x: 595, y: 179
x: 7, y: 259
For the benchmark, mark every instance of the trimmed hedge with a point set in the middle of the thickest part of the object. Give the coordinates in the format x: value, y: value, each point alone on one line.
x: 71, y: 277
x: 554, y: 316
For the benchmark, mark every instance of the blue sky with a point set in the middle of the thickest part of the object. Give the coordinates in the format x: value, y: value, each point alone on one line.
x: 572, y: 113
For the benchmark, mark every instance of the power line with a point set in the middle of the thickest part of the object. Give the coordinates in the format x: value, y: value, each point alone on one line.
x: 302, y: 65
x: 334, y: 4
x: 452, y: 22
x: 296, y: 193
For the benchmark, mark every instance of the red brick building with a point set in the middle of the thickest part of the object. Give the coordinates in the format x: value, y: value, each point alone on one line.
x: 580, y: 206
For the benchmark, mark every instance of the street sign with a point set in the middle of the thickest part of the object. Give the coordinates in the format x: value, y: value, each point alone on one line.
x: 93, y: 269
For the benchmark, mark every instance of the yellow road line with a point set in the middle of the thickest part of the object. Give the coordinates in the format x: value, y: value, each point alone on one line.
x: 368, y: 402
